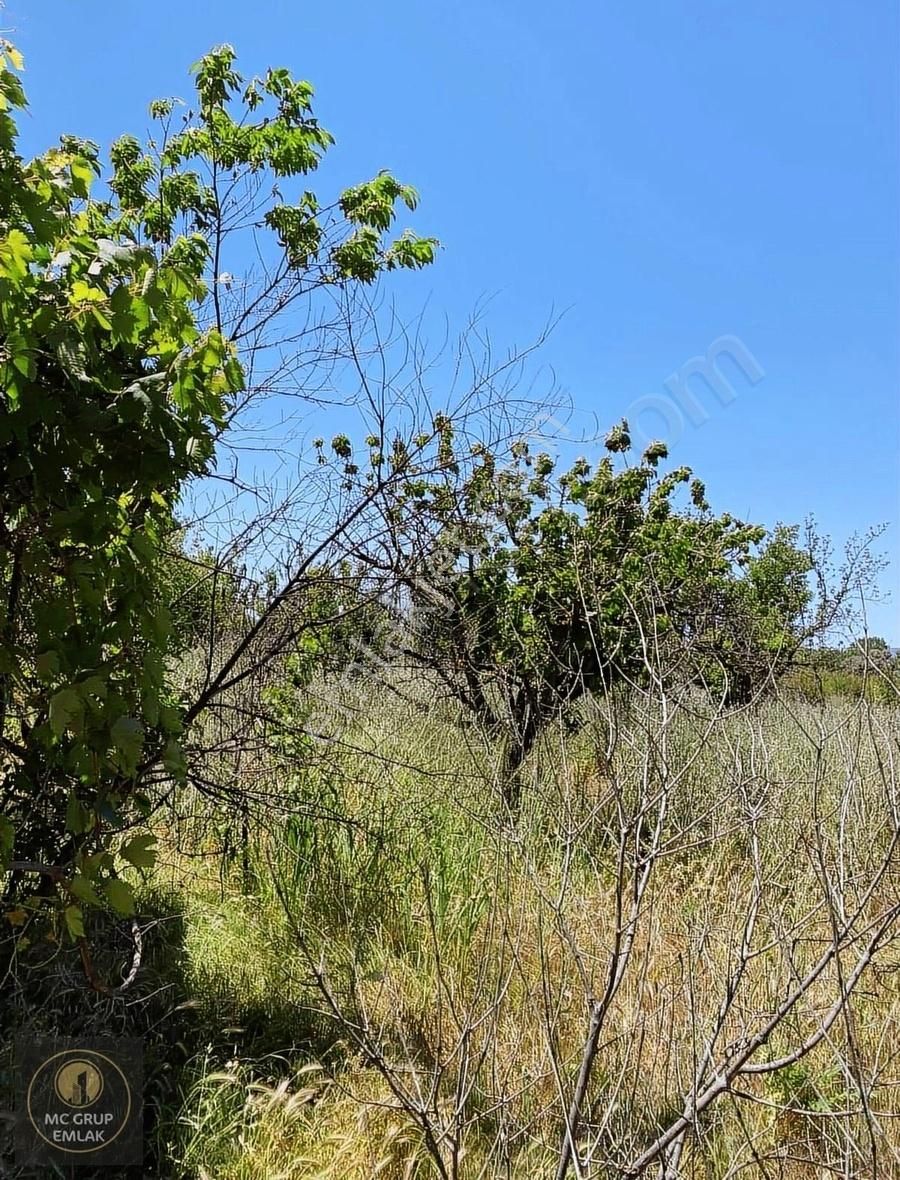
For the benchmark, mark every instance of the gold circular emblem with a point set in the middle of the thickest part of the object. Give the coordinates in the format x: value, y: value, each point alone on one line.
x: 76, y: 1079
x: 78, y: 1083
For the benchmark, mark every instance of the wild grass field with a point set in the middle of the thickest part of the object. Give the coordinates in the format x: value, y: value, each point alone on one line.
x: 394, y: 980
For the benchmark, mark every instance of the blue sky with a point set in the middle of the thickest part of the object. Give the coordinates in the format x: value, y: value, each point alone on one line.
x: 668, y: 173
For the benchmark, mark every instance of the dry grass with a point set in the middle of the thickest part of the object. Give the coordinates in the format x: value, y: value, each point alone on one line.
x: 453, y: 957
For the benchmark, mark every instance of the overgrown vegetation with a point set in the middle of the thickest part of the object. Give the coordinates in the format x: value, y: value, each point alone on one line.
x: 446, y: 810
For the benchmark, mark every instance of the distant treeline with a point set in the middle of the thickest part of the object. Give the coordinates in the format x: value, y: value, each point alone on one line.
x: 868, y: 668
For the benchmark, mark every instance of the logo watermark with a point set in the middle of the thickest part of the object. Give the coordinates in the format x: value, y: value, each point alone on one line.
x: 79, y: 1102
x: 680, y: 405
x: 681, y: 401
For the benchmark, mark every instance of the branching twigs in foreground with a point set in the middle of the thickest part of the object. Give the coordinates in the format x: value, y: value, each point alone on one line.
x: 742, y: 1065
x: 851, y: 921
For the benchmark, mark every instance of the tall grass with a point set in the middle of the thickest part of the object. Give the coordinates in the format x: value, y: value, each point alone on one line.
x: 424, y: 966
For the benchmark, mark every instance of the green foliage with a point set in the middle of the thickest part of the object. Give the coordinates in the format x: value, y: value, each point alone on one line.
x: 800, y: 1087
x: 240, y: 129
x: 546, y: 585
x: 110, y: 398
x: 751, y: 629
x: 117, y: 376
x: 204, y: 595
x: 344, y: 627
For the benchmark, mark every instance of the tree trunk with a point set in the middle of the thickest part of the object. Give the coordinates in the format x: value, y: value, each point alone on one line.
x: 520, y: 742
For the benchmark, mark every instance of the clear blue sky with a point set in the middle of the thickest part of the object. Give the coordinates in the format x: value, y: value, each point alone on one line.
x: 671, y: 173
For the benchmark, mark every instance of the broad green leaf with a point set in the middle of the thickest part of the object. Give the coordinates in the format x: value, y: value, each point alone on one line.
x: 128, y: 737
x: 47, y: 665
x: 174, y: 760
x: 84, y: 889
x: 140, y: 851
x: 66, y: 707
x: 120, y: 896
x: 74, y: 921
x: 78, y: 817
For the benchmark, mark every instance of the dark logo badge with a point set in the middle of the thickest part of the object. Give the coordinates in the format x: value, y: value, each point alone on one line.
x: 79, y: 1102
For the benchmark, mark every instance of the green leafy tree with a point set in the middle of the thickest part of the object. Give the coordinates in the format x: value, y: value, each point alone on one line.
x: 748, y: 631
x: 110, y: 397
x: 120, y: 368
x: 535, y: 587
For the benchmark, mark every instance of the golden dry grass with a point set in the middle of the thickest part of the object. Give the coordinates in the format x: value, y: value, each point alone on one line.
x: 456, y: 956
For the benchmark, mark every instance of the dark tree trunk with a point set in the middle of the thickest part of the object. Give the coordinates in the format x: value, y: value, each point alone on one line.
x: 524, y: 731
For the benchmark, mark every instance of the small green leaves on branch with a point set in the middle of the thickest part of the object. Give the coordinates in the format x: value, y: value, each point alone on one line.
x: 208, y: 176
